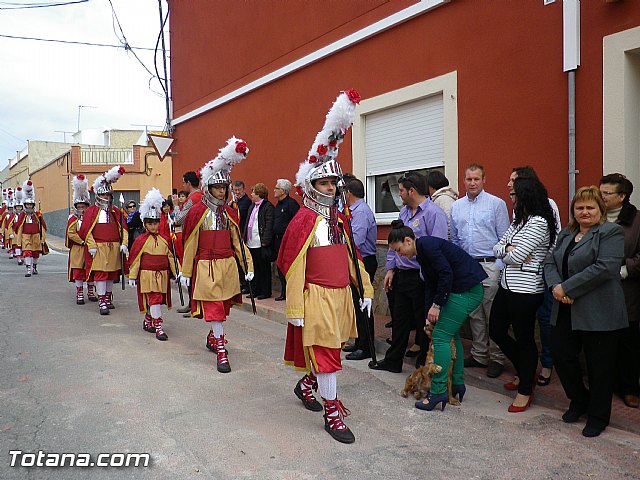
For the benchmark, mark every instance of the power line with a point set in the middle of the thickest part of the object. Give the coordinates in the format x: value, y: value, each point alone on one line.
x: 23, y: 6
x: 126, y: 46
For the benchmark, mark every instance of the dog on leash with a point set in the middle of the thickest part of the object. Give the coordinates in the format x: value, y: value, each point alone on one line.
x: 419, y: 382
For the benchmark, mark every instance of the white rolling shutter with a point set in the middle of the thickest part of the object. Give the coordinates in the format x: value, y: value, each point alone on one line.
x: 405, y: 137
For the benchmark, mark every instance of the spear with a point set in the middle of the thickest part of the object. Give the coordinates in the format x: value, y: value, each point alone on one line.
x: 175, y: 257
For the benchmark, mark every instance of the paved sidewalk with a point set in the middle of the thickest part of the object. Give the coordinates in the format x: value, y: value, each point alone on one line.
x: 551, y: 396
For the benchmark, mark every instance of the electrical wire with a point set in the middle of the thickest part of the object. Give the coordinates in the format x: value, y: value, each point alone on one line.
x: 23, y: 6
x: 16, y: 37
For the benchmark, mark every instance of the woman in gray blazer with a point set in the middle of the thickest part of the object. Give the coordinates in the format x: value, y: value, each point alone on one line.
x: 583, y: 273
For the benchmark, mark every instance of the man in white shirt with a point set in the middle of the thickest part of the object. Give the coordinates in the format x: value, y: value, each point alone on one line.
x: 478, y: 221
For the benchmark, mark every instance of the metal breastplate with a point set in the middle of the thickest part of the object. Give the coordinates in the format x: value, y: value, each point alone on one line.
x: 215, y: 220
x: 322, y: 237
x: 102, y: 216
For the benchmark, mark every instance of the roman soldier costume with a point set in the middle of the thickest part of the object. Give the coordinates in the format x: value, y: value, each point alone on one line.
x: 319, y: 263
x: 152, y: 267
x: 7, y: 231
x: 76, y: 268
x: 104, y: 232
x: 31, y: 230
x: 3, y: 214
x: 212, y: 241
x: 18, y: 208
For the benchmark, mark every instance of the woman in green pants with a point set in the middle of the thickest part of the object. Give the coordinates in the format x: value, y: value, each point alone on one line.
x: 453, y: 289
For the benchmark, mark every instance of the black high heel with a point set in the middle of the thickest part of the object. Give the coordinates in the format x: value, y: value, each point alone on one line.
x: 459, y: 390
x: 434, y: 400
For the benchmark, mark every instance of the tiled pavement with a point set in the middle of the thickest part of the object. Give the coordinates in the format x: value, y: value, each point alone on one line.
x: 551, y: 396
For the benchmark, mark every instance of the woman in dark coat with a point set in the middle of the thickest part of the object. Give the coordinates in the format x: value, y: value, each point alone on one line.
x: 259, y: 238
x: 589, y: 313
x: 616, y: 190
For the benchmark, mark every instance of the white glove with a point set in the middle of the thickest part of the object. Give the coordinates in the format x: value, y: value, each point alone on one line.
x: 365, y: 304
x: 93, y: 251
x: 18, y: 251
x: 185, y: 281
x: 249, y: 276
x: 624, y: 273
x: 132, y: 282
x: 296, y: 322
x: 125, y: 250
x: 11, y: 236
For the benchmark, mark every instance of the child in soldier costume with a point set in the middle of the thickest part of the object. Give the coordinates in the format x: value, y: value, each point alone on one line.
x: 8, y: 219
x: 31, y: 230
x: 76, y: 267
x: 104, y: 232
x: 211, y: 235
x: 152, y: 266
x: 319, y: 263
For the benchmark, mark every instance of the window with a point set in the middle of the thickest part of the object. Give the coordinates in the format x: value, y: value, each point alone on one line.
x: 410, y: 129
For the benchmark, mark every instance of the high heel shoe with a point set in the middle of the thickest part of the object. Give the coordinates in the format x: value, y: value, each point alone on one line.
x: 512, y: 385
x: 434, y: 400
x: 513, y: 409
x: 544, y: 381
x: 458, y: 390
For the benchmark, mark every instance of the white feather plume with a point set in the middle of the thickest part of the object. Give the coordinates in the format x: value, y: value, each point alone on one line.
x: 152, y: 200
x: 325, y: 146
x: 114, y: 174
x: 227, y: 158
x: 19, y: 195
x: 80, y: 185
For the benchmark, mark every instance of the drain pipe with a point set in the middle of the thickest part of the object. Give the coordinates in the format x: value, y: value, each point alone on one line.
x: 571, y: 62
x: 572, y: 134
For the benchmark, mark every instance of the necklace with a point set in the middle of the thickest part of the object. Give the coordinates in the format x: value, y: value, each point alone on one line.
x: 579, y: 236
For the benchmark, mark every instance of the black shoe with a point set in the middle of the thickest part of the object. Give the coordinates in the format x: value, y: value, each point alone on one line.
x: 263, y: 297
x: 591, y: 431
x: 388, y: 340
x: 472, y: 362
x: 224, y: 367
x: 571, y: 416
x: 383, y: 365
x: 313, y: 405
x: 412, y: 353
x: 494, y: 369
x: 349, y: 348
x: 342, y: 436
x: 280, y: 298
x: 388, y: 325
x: 358, y: 355
x: 244, y: 290
x: 104, y: 311
x: 185, y: 309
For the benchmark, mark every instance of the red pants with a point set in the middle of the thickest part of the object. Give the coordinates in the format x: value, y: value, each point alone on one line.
x: 323, y: 359
x: 102, y: 276
x: 31, y: 253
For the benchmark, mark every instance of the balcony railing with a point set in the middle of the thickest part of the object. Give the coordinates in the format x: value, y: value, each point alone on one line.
x: 106, y: 156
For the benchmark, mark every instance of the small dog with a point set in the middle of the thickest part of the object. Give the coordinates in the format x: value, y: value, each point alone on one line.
x: 419, y: 382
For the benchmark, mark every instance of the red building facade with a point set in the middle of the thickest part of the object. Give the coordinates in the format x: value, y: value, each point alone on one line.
x: 444, y: 84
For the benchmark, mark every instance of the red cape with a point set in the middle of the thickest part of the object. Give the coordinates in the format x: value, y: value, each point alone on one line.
x: 294, y: 242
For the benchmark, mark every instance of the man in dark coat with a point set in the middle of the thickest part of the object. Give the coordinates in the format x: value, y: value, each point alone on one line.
x: 286, y: 208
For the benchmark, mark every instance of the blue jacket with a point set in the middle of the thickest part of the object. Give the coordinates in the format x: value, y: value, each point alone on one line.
x: 446, y: 268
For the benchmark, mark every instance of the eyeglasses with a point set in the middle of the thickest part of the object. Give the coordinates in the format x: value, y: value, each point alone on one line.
x: 131, y: 206
x: 608, y: 194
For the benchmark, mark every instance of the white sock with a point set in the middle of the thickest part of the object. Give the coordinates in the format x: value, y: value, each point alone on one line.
x: 79, y: 283
x: 101, y: 287
x: 327, y: 385
x: 217, y: 328
x: 28, y: 260
x: 110, y: 285
x: 155, y: 311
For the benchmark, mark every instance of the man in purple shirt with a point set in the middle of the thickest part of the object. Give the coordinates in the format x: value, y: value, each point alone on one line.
x: 365, y: 233
x: 403, y: 274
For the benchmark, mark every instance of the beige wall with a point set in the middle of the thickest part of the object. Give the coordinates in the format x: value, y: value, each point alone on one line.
x: 53, y: 181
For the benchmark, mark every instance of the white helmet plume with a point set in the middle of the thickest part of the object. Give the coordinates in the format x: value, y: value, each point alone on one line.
x: 151, y: 206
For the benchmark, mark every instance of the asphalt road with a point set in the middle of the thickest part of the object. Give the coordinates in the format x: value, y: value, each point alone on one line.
x: 74, y: 381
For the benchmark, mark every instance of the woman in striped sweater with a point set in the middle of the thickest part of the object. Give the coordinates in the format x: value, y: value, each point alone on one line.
x: 522, y: 249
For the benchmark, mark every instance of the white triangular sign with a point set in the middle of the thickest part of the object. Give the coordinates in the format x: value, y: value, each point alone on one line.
x: 161, y: 144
